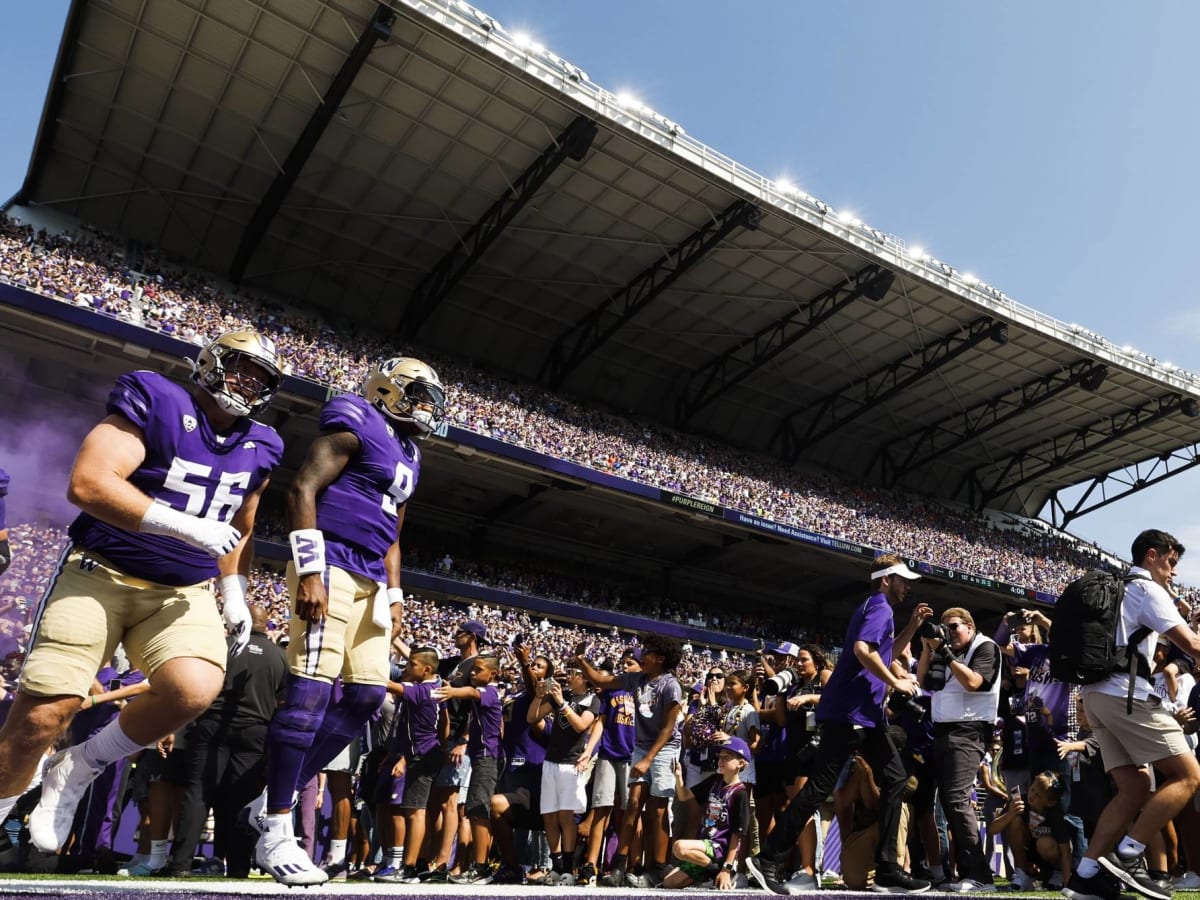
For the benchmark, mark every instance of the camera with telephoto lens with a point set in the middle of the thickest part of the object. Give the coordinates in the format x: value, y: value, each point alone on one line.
x: 900, y: 703
x: 933, y: 630
x: 780, y: 682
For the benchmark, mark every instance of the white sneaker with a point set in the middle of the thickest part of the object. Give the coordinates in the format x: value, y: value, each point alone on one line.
x: 1021, y: 881
x: 281, y: 857
x: 65, y: 782
x: 1188, y: 881
x: 566, y: 879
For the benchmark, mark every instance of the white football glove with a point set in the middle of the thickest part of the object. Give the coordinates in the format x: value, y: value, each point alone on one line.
x: 237, y: 614
x: 214, y: 538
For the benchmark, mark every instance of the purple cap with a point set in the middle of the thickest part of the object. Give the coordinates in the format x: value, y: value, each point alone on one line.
x: 477, y: 628
x: 737, y: 747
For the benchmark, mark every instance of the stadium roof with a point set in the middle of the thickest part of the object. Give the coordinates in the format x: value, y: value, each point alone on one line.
x: 416, y: 168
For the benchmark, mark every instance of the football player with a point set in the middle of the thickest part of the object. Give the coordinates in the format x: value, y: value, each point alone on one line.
x: 168, y: 484
x: 5, y: 552
x: 345, y: 510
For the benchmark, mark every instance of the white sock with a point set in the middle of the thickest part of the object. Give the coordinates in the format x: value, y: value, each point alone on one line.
x: 1130, y: 848
x: 395, y: 857
x: 111, y: 744
x: 158, y: 854
x: 1087, y: 867
x: 279, y: 823
x: 337, y: 851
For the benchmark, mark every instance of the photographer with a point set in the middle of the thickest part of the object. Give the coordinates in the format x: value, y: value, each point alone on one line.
x: 795, y: 692
x: 850, y: 718
x: 961, y: 668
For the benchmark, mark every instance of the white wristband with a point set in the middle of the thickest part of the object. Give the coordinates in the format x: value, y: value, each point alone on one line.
x: 308, y: 550
x: 233, y: 587
x: 162, y: 519
x: 395, y: 595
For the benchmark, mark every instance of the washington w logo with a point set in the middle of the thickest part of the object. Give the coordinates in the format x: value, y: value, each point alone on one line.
x: 87, y: 564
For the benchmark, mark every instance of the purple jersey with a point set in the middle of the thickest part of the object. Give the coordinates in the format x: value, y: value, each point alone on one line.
x: 358, y: 511
x: 520, y: 741
x: 1043, y: 693
x: 3, y: 494
x: 851, y: 695
x: 417, y: 719
x: 727, y: 814
x: 484, y: 737
x: 620, y: 729
x: 188, y: 467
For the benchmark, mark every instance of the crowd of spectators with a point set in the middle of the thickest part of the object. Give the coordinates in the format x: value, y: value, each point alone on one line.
x: 92, y: 270
x: 36, y: 550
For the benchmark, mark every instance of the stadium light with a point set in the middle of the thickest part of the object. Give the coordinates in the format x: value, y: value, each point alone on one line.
x: 522, y: 41
x: 629, y: 102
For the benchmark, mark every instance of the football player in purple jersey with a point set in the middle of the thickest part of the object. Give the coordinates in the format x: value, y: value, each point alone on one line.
x: 168, y: 484
x: 5, y: 552
x: 345, y: 510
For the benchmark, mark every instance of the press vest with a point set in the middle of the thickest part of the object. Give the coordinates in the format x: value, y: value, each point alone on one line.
x: 954, y: 703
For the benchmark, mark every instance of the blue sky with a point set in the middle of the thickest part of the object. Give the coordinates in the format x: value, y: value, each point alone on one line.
x: 1049, y: 148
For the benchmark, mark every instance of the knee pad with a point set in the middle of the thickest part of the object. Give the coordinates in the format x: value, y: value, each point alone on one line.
x: 296, y: 722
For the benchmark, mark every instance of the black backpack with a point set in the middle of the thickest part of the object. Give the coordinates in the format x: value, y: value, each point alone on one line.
x: 1082, y: 640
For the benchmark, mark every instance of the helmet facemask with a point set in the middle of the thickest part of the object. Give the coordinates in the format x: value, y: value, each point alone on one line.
x: 239, y: 372
x: 407, y: 391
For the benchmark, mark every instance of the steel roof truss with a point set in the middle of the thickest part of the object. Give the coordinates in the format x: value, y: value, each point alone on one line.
x: 1062, y: 450
x: 583, y: 338
x: 1124, y: 482
x: 573, y: 143
x: 379, y: 28
x: 724, y: 372
x: 928, y: 444
x: 864, y: 394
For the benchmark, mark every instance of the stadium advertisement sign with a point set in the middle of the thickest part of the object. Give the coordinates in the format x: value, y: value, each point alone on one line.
x: 694, y: 503
x: 799, y: 534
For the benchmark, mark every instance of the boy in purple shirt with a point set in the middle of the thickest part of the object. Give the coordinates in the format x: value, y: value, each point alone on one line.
x: 414, y: 757
x: 850, y: 717
x: 483, y: 747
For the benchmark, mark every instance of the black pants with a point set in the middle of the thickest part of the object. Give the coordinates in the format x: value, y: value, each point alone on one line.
x: 224, y: 773
x: 838, y: 743
x: 958, y: 749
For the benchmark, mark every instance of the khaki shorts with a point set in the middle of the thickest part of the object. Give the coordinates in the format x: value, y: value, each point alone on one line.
x: 347, y: 643
x: 92, y: 606
x: 859, y: 849
x: 1146, y: 735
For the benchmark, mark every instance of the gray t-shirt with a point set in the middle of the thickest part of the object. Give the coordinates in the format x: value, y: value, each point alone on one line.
x: 653, y: 698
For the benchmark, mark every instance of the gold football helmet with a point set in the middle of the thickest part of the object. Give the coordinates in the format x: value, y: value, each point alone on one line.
x: 407, y: 390
x: 240, y: 370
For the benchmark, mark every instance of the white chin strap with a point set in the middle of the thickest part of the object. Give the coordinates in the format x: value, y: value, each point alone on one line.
x: 231, y: 403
